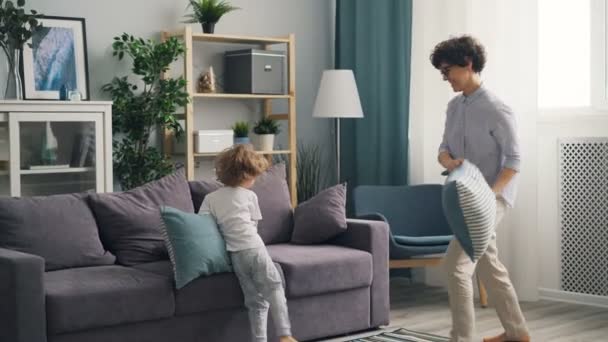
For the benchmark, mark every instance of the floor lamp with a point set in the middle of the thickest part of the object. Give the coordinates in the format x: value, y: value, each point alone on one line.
x: 338, y: 98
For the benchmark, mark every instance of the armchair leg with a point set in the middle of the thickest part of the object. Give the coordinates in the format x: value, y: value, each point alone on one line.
x: 483, y: 294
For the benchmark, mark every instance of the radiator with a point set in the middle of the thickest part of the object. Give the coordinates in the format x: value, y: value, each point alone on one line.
x: 583, y: 209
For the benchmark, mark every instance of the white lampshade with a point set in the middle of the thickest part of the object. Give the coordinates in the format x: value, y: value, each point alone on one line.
x: 338, y: 96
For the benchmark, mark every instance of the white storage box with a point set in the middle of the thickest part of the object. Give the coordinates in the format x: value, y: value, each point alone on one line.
x: 212, y: 141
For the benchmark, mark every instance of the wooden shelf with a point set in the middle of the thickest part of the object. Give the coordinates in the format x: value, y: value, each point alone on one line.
x: 201, y: 155
x: 225, y: 38
x: 241, y: 96
x: 64, y: 170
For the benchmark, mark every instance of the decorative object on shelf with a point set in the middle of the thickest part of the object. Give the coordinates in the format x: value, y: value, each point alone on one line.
x: 48, y: 154
x: 137, y: 114
x: 16, y: 28
x: 213, y: 140
x: 265, y: 130
x: 338, y: 98
x: 206, y: 83
x: 253, y: 71
x: 74, y: 95
x: 241, y: 132
x: 208, y: 12
x: 308, y: 164
x: 56, y: 56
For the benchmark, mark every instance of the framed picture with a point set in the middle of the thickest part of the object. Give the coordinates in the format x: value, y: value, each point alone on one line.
x: 57, y: 57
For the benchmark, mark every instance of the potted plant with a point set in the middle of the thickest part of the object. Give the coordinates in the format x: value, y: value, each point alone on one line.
x: 16, y: 28
x: 310, y: 180
x: 139, y: 112
x: 241, y: 132
x: 265, y: 130
x: 208, y: 12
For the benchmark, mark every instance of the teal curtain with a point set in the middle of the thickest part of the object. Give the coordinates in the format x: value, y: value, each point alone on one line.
x: 373, y: 38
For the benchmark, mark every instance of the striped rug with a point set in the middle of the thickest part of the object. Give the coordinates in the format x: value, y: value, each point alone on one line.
x: 401, y: 335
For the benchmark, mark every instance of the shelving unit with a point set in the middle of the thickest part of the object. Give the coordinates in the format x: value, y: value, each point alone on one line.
x: 189, y: 39
x: 83, y: 134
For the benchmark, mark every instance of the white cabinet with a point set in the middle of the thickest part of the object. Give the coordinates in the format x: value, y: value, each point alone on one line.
x: 54, y: 147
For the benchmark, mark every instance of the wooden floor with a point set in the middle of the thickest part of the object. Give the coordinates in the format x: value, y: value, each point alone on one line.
x: 422, y: 308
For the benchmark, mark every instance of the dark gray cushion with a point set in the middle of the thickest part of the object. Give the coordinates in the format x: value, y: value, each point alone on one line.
x: 130, y: 222
x: 91, y: 297
x: 273, y: 197
x: 313, y: 270
x: 201, y: 188
x: 321, y: 217
x: 60, y: 228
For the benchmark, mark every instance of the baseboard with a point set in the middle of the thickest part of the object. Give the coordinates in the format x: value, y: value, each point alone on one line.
x: 571, y: 297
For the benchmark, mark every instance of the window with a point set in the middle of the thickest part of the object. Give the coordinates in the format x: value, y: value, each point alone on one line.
x: 564, y: 53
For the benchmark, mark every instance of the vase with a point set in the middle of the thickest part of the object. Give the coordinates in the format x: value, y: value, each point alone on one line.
x: 263, y: 142
x: 208, y: 27
x: 241, y: 140
x: 13, y: 88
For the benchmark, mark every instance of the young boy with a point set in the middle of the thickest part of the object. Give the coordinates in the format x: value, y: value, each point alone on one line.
x: 236, y: 211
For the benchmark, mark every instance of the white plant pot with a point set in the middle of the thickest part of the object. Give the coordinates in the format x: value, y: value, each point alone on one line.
x: 263, y: 142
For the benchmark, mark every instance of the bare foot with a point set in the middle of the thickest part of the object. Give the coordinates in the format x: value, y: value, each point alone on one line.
x: 287, y: 339
x: 503, y: 338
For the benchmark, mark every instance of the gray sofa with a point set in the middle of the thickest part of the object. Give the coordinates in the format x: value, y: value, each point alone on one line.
x: 334, y: 288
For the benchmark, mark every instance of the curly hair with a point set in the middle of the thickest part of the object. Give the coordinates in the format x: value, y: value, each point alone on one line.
x: 236, y: 164
x: 459, y: 51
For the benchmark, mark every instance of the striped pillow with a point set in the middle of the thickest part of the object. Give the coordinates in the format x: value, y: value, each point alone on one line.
x: 470, y: 208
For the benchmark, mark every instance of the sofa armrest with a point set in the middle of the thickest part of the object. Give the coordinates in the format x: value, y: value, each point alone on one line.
x: 372, y: 237
x: 22, y: 308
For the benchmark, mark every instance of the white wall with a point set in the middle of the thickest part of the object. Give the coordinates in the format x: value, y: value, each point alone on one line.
x: 310, y: 20
x: 507, y: 29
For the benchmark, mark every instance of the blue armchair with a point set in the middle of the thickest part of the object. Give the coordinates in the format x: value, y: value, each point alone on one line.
x: 417, y: 225
x: 419, y: 232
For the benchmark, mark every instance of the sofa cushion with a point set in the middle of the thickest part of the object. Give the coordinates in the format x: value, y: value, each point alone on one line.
x: 273, y: 198
x: 129, y: 222
x: 60, y: 228
x: 195, y: 244
x: 318, y: 269
x: 92, y: 297
x: 321, y: 217
x: 215, y: 292
x: 470, y: 209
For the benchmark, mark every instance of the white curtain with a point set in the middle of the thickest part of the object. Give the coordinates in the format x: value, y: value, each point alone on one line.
x: 508, y: 30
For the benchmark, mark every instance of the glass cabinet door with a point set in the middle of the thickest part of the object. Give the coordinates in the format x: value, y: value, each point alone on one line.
x: 4, y: 157
x: 55, y: 153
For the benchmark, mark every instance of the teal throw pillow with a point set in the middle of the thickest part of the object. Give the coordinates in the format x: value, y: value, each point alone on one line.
x: 469, y: 205
x: 195, y: 244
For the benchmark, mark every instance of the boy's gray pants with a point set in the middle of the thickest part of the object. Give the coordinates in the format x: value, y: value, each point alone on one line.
x: 263, y: 288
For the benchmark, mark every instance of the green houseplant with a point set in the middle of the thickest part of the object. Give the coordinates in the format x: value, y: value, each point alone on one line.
x: 309, y: 180
x: 208, y: 12
x: 241, y: 132
x: 265, y: 130
x: 140, y: 108
x: 16, y: 28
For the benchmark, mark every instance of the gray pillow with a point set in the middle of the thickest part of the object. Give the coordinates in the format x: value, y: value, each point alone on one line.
x: 130, y: 222
x: 273, y: 197
x: 60, y: 228
x: 200, y: 189
x: 321, y: 217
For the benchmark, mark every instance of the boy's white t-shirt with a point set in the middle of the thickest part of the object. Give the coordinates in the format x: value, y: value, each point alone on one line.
x: 236, y: 211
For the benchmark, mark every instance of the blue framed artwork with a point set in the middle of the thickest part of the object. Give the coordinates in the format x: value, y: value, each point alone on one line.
x: 56, y: 57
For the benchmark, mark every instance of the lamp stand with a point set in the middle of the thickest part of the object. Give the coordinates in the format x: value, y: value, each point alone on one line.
x: 338, y: 150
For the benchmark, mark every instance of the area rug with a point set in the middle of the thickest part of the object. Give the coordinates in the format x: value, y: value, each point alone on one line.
x: 401, y: 335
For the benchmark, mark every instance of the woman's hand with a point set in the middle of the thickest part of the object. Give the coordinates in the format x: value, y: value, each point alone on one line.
x: 451, y: 164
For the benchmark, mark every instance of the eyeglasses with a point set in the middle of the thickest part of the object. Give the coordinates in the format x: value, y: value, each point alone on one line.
x: 445, y: 71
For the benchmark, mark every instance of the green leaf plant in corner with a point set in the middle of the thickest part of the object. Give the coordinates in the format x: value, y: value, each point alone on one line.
x: 143, y: 108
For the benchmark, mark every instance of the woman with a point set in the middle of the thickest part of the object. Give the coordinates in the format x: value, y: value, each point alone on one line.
x: 481, y: 129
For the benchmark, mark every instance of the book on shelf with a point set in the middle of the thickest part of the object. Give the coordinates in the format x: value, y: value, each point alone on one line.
x: 49, y: 167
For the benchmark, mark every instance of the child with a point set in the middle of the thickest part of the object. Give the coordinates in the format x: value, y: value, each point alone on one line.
x: 236, y: 211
